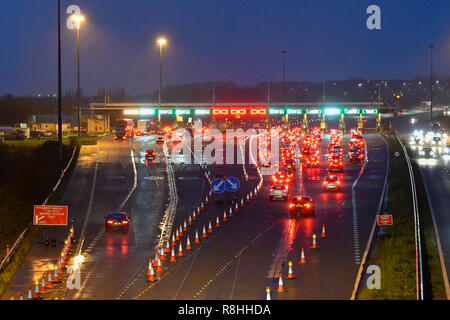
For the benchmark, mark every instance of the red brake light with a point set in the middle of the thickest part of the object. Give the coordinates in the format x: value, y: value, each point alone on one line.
x: 291, y: 205
x: 325, y: 182
x: 124, y: 222
x: 110, y: 222
x: 307, y: 205
x: 338, y: 182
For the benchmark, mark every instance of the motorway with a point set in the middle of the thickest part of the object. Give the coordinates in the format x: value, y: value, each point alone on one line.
x: 437, y: 181
x: 239, y: 259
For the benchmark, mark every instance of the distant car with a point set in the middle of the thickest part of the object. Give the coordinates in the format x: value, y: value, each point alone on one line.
x: 117, y: 221
x: 301, y: 205
x: 331, y: 183
x: 159, y: 139
x: 355, y: 155
x: 278, y: 191
x: 427, y: 153
x: 150, y: 155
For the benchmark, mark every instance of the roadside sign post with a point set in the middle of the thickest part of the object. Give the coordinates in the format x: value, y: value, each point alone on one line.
x: 50, y: 215
x: 385, y: 220
x: 218, y: 186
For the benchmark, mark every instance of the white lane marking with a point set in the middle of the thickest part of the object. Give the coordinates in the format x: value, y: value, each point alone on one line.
x: 355, y: 214
x: 134, y: 181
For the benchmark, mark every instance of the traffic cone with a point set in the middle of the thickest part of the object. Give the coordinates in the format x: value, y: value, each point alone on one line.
x: 167, y: 247
x: 251, y: 195
x: 302, y: 257
x: 202, y: 208
x: 30, y: 294
x: 224, y: 215
x: 324, y: 234
x: 188, y: 244
x: 177, y: 235
x: 230, y: 214
x: 158, y: 265
x: 56, y: 276
x: 43, y: 285
x: 21, y: 296
x: 207, y: 200
x: 172, y: 257
x: 198, y: 211
x: 37, y: 293
x: 174, y: 242
x: 162, y: 254
x: 248, y: 199
x: 290, y: 272
x: 196, y: 240
x: 189, y: 221
x: 210, y: 227
x: 151, y: 273
x: 268, y: 293
x: 242, y: 202
x: 314, y: 244
x: 236, y: 208
x: 210, y: 193
x: 49, y: 280
x: 181, y: 231
x: 204, y: 232
x: 184, y: 226
x: 280, y: 284
x: 194, y: 217
x: 180, y: 250
x: 217, y: 222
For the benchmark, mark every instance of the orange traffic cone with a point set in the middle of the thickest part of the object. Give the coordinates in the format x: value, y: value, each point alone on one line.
x: 177, y: 235
x: 202, y: 207
x: 217, y: 222
x: 49, y: 280
x: 30, y: 294
x: 248, y: 199
x: 302, y: 258
x: 174, y: 242
x: 209, y: 227
x: 204, y: 232
x: 37, y: 293
x: 236, y: 208
x: 324, y: 234
x: 198, y: 211
x: 314, y: 244
x: 280, y: 284
x: 194, y: 217
x: 188, y: 244
x: 242, y: 202
x: 167, y: 247
x: 43, y: 285
x: 184, y: 226
x: 172, y: 257
x: 181, y: 231
x: 189, y: 221
x: 158, y: 265
x: 21, y: 296
x: 230, y: 212
x: 196, y: 240
x: 207, y: 200
x: 180, y: 250
x: 224, y: 215
x: 162, y: 254
x: 151, y: 273
x: 290, y: 272
x: 251, y: 195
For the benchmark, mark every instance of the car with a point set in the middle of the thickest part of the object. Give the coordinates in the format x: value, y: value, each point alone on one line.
x: 331, y: 183
x: 301, y: 205
x: 335, y: 164
x: 117, y: 221
x: 278, y: 191
x: 150, y: 155
x: 159, y: 139
x: 427, y: 153
x: 355, y: 155
x: 313, y: 161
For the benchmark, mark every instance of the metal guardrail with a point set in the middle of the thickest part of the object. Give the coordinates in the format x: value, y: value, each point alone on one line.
x: 417, y: 238
x: 19, y: 240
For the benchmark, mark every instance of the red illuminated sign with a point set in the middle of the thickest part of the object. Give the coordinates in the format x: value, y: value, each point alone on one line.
x: 239, y: 111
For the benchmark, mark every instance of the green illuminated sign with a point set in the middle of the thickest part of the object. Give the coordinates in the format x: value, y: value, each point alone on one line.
x: 294, y: 111
x: 181, y: 112
x: 313, y: 111
x: 276, y: 111
x: 332, y: 111
x: 147, y: 112
x: 165, y: 111
x: 352, y: 111
x: 202, y: 112
x: 370, y: 111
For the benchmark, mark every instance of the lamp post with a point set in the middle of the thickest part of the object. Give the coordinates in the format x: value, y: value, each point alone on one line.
x: 431, y: 46
x: 284, y: 73
x: 77, y: 20
x: 60, y: 148
x: 161, y: 42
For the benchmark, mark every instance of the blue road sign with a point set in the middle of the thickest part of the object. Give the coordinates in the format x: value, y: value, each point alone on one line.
x: 232, y: 184
x: 218, y: 185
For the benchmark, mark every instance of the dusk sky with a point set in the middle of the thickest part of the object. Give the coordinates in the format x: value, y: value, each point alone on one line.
x: 218, y: 40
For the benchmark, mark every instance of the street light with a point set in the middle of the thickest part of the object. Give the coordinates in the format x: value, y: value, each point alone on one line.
x: 77, y: 19
x: 431, y: 46
x: 284, y: 72
x: 162, y: 42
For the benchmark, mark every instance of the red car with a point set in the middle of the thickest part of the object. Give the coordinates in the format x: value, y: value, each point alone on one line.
x: 301, y: 205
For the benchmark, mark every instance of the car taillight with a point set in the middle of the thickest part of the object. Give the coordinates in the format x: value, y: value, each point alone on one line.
x: 110, y: 222
x: 325, y: 182
x: 338, y: 182
x: 340, y: 163
x: 124, y: 222
x: 307, y: 205
x: 291, y: 205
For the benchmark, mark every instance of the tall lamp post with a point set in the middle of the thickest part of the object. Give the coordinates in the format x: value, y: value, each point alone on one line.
x: 60, y: 148
x: 161, y: 42
x: 77, y: 19
x: 284, y: 72
x: 431, y: 46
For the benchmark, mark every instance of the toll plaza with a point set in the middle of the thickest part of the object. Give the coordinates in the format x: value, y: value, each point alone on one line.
x: 227, y: 115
